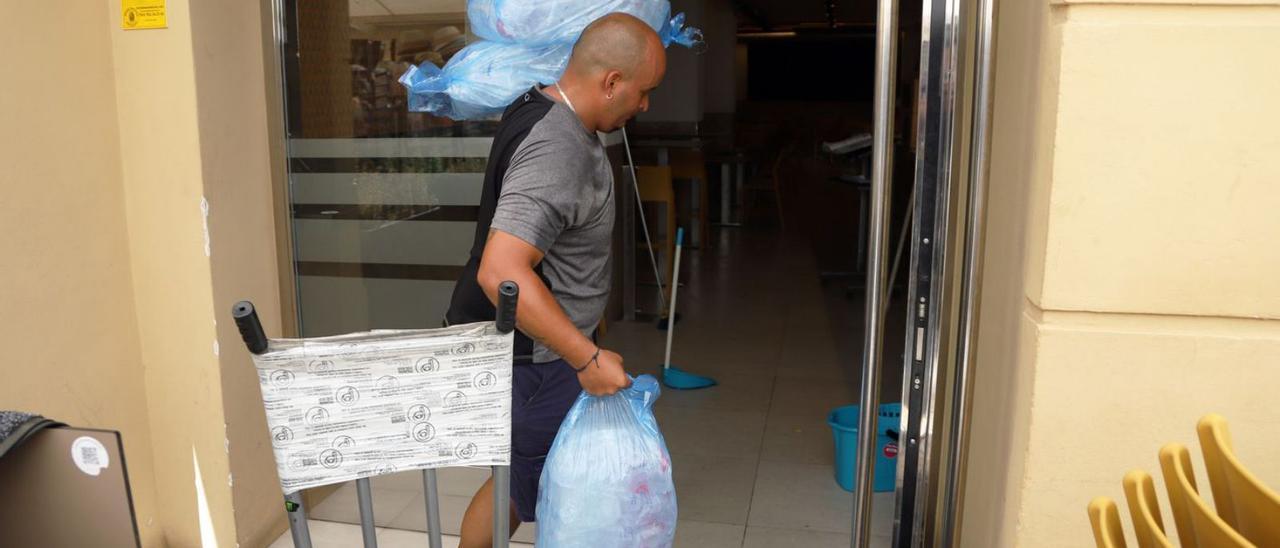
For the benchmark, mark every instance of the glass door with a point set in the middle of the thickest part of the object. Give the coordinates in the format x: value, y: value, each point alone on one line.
x: 383, y: 201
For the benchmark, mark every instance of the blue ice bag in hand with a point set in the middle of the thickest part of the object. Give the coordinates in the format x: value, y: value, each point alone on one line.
x: 607, y: 480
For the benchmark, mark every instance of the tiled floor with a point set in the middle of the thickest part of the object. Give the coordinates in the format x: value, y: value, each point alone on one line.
x: 753, y: 456
x: 332, y: 534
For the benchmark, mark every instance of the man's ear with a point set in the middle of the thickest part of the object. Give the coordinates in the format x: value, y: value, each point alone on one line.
x: 611, y: 81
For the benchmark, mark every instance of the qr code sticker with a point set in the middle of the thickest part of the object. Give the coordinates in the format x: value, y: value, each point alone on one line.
x: 89, y: 455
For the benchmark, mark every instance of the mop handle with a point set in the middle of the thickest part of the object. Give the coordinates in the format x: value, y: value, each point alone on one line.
x: 675, y: 288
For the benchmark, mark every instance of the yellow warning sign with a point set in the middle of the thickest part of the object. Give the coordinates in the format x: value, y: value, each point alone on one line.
x: 142, y: 14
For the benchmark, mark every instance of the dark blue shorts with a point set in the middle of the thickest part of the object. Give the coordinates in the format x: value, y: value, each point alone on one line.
x: 541, y: 396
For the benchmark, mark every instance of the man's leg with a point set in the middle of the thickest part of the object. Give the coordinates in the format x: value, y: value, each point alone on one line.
x: 477, y: 523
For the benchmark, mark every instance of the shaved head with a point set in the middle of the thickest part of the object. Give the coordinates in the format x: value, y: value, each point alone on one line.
x: 617, y: 41
x: 616, y: 62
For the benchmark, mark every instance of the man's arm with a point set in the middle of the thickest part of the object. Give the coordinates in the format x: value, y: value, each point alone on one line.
x: 539, y: 316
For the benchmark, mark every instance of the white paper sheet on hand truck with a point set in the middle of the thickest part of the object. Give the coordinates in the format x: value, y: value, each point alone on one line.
x: 366, y: 404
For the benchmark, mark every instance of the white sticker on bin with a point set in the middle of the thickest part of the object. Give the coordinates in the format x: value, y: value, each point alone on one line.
x: 90, y: 455
x: 361, y: 405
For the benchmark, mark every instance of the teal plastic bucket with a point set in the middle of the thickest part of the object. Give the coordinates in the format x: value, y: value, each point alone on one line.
x: 844, y: 426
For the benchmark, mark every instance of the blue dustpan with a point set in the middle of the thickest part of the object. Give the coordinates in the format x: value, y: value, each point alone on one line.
x: 673, y: 377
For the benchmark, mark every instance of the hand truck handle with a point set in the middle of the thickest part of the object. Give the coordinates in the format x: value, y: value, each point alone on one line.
x: 508, y: 295
x: 250, y: 328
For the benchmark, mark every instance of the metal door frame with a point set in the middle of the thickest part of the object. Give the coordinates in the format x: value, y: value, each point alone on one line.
x: 953, y: 142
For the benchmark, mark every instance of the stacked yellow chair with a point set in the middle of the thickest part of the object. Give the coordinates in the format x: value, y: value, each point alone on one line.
x: 1104, y: 516
x: 1243, y: 501
x: 1144, y: 510
x: 1247, y: 511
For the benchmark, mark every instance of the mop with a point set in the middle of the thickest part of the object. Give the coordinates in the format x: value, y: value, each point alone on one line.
x: 672, y: 376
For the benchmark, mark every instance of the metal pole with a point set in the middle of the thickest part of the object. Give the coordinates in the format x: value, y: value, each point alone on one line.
x: 508, y: 299
x: 881, y: 178
x: 971, y: 292
x: 431, y: 492
x: 365, y: 495
x: 297, y: 513
x: 501, y: 506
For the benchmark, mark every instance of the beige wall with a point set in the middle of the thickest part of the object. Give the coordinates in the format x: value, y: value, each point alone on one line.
x: 138, y: 207
x: 1151, y: 289
x: 69, y: 328
x: 164, y: 205
x: 230, y: 68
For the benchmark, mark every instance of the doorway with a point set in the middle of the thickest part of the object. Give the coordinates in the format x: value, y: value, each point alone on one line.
x: 772, y: 294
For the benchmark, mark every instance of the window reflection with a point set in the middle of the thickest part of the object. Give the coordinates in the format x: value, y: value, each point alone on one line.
x: 350, y: 55
x: 384, y: 201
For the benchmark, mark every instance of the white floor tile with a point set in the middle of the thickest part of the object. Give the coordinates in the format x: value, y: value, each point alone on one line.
x: 327, y: 534
x: 799, y: 439
x: 394, y: 538
x: 702, y: 534
x: 452, y: 508
x: 715, y: 489
x: 810, y: 399
x: 767, y: 537
x: 806, y: 497
x: 711, y: 433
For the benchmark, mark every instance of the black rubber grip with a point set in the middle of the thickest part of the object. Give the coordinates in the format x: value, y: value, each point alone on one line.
x: 250, y: 328
x: 508, y: 296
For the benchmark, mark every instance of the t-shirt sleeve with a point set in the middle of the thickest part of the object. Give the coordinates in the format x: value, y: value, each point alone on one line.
x: 537, y: 201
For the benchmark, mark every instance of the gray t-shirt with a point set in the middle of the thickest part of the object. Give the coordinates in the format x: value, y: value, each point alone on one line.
x: 558, y: 196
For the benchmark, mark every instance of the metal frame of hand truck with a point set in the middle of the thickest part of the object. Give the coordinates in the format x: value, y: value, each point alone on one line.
x: 255, y: 339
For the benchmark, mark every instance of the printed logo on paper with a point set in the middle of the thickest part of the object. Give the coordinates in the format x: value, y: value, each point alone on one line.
x: 427, y: 365
x: 347, y: 396
x: 423, y: 432
x: 317, y: 415
x: 330, y: 458
x: 418, y: 413
x: 281, y: 378
x: 281, y: 435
